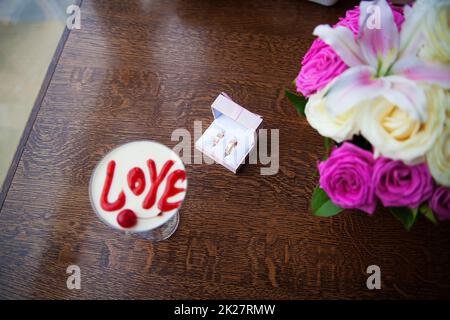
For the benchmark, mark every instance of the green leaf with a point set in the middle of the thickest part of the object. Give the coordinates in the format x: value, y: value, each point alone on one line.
x: 428, y: 213
x: 405, y: 215
x: 299, y: 102
x: 321, y: 204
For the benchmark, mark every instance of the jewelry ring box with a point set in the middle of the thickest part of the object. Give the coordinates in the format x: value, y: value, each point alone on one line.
x: 232, y: 135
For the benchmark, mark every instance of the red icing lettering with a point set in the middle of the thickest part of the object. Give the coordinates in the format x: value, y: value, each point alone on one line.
x: 171, y: 190
x: 136, y: 180
x: 156, y: 180
x: 104, y: 203
x: 136, y: 183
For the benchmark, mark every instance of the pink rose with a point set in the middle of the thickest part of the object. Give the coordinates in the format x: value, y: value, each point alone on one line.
x: 321, y: 64
x: 346, y: 176
x: 400, y: 185
x: 440, y: 203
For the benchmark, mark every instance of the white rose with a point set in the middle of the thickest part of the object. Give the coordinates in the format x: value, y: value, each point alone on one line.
x: 438, y: 158
x: 395, y: 134
x: 436, y: 30
x: 338, y: 128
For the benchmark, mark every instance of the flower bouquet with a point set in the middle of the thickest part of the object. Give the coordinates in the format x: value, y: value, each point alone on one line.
x: 376, y: 86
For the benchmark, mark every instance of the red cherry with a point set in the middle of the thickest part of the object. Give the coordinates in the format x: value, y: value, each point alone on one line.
x: 126, y: 218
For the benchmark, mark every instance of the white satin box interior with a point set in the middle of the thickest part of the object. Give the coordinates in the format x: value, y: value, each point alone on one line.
x: 232, y: 135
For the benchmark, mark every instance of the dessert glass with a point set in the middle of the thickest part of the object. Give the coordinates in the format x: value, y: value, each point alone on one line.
x: 138, y: 188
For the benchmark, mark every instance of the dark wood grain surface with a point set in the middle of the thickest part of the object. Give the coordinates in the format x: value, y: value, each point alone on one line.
x: 141, y: 69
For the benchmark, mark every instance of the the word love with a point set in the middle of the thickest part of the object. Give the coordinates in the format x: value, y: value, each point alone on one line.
x: 136, y: 182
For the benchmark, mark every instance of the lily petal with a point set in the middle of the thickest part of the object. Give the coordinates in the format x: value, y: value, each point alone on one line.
x: 378, y: 33
x: 343, y: 42
x: 408, y: 96
x: 419, y: 70
x: 353, y: 86
x: 411, y: 35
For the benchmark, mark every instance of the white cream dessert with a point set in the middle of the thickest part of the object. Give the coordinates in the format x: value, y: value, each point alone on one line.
x: 138, y: 186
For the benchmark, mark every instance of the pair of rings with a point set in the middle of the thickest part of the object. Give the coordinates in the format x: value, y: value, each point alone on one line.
x: 230, y: 145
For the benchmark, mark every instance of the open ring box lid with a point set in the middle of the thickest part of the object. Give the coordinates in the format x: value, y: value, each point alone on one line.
x: 235, y: 123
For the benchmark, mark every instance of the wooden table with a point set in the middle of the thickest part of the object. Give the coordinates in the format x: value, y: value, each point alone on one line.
x: 140, y: 70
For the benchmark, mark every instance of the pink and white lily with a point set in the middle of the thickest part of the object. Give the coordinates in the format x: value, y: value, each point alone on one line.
x: 382, y: 61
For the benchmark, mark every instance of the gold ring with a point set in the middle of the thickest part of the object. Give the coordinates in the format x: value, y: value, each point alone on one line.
x: 218, y: 137
x: 230, y: 146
